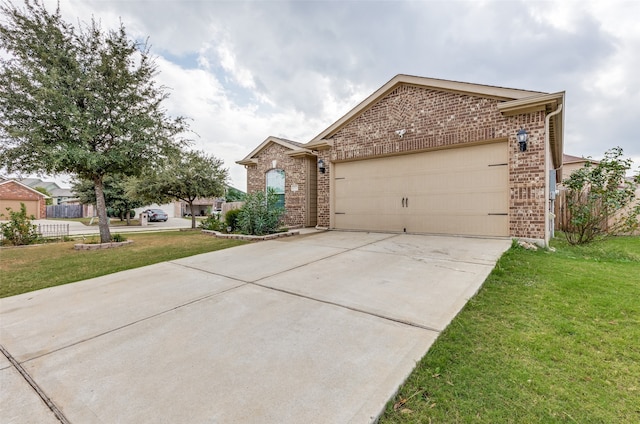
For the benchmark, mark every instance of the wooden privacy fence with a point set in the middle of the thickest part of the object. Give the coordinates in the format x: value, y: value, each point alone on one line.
x: 64, y: 211
x: 563, y: 215
x: 560, y: 210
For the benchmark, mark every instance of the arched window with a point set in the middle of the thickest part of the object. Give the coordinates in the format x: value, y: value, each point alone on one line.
x: 275, y: 180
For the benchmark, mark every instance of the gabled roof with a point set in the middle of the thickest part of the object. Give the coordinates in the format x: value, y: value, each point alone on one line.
x: 576, y: 159
x: 499, y: 93
x: 25, y: 187
x: 512, y: 101
x: 295, y: 146
x: 61, y: 192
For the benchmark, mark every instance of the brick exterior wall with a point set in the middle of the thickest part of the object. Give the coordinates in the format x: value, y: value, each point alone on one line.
x: 436, y: 119
x: 16, y: 192
x: 295, y: 174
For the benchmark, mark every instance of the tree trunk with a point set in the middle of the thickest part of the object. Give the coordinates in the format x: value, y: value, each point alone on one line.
x: 193, y: 214
x: 101, y: 206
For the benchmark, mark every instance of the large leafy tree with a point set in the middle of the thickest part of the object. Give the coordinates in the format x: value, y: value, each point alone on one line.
x: 117, y: 200
x: 79, y: 101
x: 193, y: 175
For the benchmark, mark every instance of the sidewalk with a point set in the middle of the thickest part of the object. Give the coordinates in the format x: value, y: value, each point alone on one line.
x: 79, y: 229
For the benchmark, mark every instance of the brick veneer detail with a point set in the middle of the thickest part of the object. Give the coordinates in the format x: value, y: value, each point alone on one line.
x: 295, y: 173
x: 437, y: 119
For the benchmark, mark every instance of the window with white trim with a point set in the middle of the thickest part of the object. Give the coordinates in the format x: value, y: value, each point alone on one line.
x: 275, y: 180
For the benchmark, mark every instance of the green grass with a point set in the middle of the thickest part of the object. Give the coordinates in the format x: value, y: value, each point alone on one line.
x: 550, y: 338
x: 36, y: 267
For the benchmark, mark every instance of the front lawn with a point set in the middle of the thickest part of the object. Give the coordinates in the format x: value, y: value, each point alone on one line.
x: 36, y: 267
x: 550, y: 338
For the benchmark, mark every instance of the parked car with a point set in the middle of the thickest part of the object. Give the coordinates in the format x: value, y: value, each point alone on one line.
x: 156, y: 215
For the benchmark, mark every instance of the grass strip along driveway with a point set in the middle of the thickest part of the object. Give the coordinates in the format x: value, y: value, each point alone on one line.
x: 37, y: 267
x: 552, y: 337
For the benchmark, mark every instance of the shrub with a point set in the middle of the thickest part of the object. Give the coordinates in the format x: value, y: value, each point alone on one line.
x: 19, y: 230
x: 260, y: 214
x: 212, y: 223
x: 231, y: 219
x: 600, y: 199
x: 118, y: 238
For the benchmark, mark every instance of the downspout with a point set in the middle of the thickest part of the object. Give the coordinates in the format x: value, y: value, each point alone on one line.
x: 549, y: 221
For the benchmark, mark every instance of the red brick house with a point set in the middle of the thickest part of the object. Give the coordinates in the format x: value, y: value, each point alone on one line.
x: 12, y: 193
x: 423, y: 155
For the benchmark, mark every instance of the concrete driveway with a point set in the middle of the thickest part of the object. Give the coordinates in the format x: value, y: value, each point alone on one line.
x: 320, y: 328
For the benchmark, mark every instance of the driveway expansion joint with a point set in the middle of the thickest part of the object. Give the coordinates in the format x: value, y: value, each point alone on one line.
x: 132, y: 323
x: 39, y: 391
x: 350, y: 308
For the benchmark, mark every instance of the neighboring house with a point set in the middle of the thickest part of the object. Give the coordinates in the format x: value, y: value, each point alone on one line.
x: 423, y: 155
x: 570, y: 164
x: 201, y: 206
x: 13, y: 193
x: 59, y: 195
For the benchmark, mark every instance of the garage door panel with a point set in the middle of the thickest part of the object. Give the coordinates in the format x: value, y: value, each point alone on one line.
x: 453, y: 191
x: 453, y: 202
x: 460, y: 223
x: 14, y: 205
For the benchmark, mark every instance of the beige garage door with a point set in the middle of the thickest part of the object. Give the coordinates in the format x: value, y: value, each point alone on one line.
x: 32, y: 207
x: 453, y: 191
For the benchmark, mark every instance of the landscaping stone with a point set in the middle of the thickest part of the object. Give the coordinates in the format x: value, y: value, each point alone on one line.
x: 96, y: 246
x: 246, y: 237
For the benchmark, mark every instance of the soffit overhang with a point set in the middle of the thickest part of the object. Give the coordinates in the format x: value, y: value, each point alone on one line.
x: 549, y: 104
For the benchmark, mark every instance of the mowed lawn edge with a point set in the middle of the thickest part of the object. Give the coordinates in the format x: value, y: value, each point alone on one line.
x: 36, y: 267
x: 551, y: 337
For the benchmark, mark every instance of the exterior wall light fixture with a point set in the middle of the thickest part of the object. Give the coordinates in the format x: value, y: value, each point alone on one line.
x: 321, y: 166
x: 523, y: 137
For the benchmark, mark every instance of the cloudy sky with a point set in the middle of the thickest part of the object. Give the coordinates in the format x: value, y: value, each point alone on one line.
x: 243, y: 71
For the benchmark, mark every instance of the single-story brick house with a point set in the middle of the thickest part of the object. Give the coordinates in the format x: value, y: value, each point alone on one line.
x: 12, y: 193
x: 424, y: 155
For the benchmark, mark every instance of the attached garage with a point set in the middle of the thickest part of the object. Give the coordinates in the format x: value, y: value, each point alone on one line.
x: 451, y: 191
x: 13, y: 194
x: 424, y: 155
x: 33, y: 207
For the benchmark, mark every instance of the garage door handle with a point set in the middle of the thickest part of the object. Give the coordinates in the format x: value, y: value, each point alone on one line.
x: 406, y: 202
x: 403, y: 202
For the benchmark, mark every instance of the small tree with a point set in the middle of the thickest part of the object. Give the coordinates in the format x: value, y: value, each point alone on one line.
x: 117, y: 200
x: 190, y: 176
x: 600, y: 199
x: 19, y: 230
x: 260, y: 214
x: 49, y: 200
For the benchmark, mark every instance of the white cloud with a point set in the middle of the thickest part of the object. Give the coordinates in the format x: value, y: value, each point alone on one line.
x: 246, y: 70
